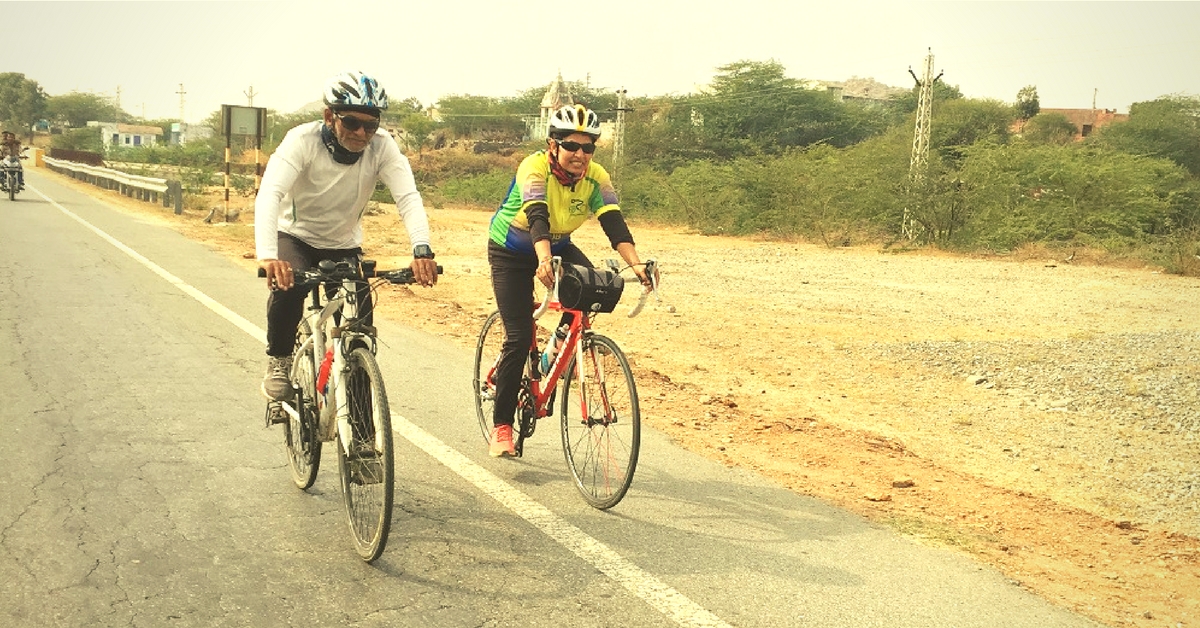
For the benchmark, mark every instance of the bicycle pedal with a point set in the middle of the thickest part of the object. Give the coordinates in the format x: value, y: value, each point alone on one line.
x: 275, y: 414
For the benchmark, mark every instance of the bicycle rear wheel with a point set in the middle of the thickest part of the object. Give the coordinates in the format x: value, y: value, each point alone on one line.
x: 601, y: 423
x: 368, y: 477
x: 300, y: 438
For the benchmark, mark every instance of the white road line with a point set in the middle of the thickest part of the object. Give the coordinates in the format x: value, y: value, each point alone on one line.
x: 668, y: 601
x: 653, y: 591
x: 208, y: 301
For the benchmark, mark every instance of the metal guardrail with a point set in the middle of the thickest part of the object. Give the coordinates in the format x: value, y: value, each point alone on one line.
x: 147, y: 189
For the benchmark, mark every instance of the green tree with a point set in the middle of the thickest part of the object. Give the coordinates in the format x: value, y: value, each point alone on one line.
x: 753, y: 108
x: 1167, y: 127
x: 962, y: 122
x: 482, y: 117
x: 407, y: 106
x: 22, y: 102
x: 1092, y: 195
x: 76, y: 109
x: 1027, y: 105
x: 418, y: 129
x: 85, y: 138
x: 602, y: 101
x: 278, y: 124
x: 1049, y: 128
x: 664, y: 133
x: 907, y: 102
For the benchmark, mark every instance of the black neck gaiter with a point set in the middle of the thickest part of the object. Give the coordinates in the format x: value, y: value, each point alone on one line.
x: 339, y: 152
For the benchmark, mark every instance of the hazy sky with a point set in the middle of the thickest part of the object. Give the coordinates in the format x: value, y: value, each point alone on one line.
x: 1120, y: 52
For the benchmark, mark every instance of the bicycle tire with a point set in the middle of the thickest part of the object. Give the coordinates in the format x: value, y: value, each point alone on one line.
x: 301, y: 438
x: 487, y: 351
x: 601, y: 422
x: 367, y: 475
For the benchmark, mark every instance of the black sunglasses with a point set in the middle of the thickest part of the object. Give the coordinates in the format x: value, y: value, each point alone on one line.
x: 352, y: 124
x: 571, y: 147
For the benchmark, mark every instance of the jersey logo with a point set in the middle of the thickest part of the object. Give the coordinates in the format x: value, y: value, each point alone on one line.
x: 577, y: 208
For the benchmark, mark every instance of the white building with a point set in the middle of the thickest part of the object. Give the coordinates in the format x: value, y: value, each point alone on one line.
x: 182, y: 133
x: 556, y: 96
x: 115, y: 134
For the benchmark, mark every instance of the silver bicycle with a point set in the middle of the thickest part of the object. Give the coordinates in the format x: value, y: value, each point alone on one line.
x: 338, y: 396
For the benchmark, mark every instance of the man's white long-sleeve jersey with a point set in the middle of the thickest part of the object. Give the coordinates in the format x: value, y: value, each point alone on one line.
x: 307, y: 194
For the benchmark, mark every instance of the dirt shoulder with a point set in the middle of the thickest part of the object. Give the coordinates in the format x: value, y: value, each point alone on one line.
x: 1038, y: 415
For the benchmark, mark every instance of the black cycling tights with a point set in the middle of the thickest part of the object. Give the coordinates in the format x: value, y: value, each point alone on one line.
x: 512, y: 282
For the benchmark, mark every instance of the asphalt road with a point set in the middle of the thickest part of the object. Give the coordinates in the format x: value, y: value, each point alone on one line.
x: 139, y: 487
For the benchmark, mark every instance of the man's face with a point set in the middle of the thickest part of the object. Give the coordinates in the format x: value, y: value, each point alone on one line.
x: 352, y: 129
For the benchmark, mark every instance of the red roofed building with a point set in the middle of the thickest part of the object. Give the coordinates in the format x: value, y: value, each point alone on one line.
x: 1085, y: 120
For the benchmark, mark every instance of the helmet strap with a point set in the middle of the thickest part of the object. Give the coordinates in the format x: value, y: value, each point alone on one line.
x: 339, y: 152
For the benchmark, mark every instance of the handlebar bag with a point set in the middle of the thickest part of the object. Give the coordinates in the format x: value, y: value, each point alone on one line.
x: 590, y: 289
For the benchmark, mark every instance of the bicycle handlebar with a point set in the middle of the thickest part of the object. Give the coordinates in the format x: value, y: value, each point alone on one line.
x: 552, y: 294
x: 651, y: 272
x: 329, y: 271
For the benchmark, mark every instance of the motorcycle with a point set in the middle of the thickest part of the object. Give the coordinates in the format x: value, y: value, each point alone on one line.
x: 10, y: 169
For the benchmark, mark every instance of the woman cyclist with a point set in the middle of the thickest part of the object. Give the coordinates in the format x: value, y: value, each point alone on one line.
x: 553, y: 193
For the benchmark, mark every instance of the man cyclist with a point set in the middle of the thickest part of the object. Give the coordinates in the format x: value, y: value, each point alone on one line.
x: 310, y: 207
x: 10, y: 145
x: 553, y: 193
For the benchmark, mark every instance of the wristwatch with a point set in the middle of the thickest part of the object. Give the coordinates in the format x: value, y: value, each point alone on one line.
x: 422, y: 251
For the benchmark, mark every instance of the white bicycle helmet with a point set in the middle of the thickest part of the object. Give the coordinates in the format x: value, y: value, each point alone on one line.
x: 355, y: 90
x: 574, y: 119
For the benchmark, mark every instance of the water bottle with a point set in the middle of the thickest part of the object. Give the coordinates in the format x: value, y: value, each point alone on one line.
x: 551, y: 351
x: 323, y: 373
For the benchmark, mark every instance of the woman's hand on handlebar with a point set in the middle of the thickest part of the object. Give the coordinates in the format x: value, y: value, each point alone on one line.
x: 545, y: 271
x: 279, y: 273
x: 425, y: 271
x: 645, y: 277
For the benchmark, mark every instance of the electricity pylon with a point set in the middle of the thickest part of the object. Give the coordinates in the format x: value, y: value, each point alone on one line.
x: 919, y: 161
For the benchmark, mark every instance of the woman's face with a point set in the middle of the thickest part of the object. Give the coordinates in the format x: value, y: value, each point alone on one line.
x: 576, y: 161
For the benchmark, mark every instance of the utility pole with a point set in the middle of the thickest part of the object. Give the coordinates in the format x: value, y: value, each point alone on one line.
x: 250, y: 94
x: 181, y: 95
x: 619, y: 136
x: 118, y: 102
x: 920, y: 150
x: 1094, y: 92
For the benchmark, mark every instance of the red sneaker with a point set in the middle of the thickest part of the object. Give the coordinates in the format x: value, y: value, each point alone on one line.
x: 501, y: 443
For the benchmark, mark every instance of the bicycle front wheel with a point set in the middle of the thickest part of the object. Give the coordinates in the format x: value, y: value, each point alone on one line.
x: 301, y: 439
x: 601, y: 423
x: 487, y: 354
x: 368, y: 477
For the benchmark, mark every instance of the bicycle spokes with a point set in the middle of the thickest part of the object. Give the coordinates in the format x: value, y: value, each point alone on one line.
x: 601, y: 429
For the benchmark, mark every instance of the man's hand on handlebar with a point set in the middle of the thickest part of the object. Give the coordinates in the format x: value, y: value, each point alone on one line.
x: 425, y: 271
x: 279, y: 273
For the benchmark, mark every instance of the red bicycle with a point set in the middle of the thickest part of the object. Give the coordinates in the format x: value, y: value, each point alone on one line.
x: 599, y: 418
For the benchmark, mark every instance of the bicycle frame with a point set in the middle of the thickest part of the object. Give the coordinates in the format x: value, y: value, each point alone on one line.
x: 334, y: 419
x: 544, y: 387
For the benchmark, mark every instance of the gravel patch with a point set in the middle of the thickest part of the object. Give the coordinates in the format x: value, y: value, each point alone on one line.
x: 1118, y: 411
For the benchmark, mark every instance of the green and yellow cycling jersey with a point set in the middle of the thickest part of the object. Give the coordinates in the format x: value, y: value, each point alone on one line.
x: 569, y: 207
